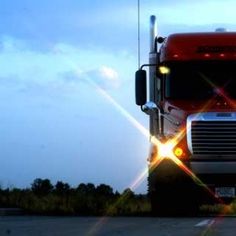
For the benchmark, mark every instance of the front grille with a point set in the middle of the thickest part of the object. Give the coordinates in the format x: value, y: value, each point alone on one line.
x: 213, y: 137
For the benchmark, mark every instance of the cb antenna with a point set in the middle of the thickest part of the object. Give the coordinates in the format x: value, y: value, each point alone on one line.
x: 138, y: 34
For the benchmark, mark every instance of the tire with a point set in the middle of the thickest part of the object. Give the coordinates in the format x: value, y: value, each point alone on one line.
x: 171, y: 192
x: 173, y: 201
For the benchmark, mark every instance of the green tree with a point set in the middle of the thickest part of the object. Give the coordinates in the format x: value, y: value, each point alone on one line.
x: 86, y: 189
x: 41, y: 187
x: 62, y: 188
x: 104, y: 190
x: 128, y: 193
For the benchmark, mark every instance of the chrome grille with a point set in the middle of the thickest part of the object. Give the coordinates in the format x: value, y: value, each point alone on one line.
x: 213, y: 137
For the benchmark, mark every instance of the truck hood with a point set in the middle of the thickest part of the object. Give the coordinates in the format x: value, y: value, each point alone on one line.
x: 180, y: 109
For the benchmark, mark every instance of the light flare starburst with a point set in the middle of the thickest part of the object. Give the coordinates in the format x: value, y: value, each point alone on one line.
x: 166, y: 150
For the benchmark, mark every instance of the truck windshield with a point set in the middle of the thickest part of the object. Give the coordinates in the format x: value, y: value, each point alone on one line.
x: 200, y: 80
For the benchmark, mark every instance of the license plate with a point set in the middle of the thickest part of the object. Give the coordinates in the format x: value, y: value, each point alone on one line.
x: 225, y: 192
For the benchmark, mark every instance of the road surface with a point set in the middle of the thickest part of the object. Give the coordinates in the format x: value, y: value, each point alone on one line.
x: 64, y: 226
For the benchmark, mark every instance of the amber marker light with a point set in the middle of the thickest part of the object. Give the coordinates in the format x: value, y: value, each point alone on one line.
x: 178, y: 152
x: 164, y: 70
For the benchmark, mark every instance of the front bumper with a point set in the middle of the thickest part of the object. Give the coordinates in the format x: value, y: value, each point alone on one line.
x: 213, y: 167
x: 212, y: 173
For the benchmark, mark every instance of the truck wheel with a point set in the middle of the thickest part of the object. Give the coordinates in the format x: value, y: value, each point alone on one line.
x: 173, y: 200
x: 172, y: 193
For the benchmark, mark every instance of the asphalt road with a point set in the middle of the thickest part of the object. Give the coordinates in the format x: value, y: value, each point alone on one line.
x: 64, y: 226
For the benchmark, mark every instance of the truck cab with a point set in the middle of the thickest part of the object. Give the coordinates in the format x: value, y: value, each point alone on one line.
x: 192, y: 113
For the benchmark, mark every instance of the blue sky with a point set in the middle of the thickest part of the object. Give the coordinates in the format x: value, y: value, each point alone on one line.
x: 54, y: 57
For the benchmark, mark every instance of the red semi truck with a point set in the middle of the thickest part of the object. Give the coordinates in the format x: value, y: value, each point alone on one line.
x: 192, y: 112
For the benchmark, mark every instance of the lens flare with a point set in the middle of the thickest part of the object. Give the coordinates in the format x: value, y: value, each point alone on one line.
x: 220, y: 92
x: 166, y: 151
x: 167, y: 148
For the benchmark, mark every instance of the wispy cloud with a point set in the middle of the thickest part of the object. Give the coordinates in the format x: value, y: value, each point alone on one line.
x: 104, y: 77
x: 61, y: 67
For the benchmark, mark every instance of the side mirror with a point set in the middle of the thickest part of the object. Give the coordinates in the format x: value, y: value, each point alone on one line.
x: 140, y: 87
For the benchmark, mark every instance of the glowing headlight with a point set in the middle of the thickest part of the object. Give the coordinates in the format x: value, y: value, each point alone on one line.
x: 165, y: 150
x: 168, y: 149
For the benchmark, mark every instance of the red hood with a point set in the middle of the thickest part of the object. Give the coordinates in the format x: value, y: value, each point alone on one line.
x: 180, y: 109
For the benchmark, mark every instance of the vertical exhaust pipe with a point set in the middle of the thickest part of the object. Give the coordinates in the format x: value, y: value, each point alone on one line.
x: 153, y: 34
x: 153, y: 59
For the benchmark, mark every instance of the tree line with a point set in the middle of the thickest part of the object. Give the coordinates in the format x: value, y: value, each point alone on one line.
x: 44, y: 198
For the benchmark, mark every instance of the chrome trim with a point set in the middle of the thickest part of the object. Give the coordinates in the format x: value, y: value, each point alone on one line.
x: 153, y: 55
x: 153, y: 33
x: 206, y: 116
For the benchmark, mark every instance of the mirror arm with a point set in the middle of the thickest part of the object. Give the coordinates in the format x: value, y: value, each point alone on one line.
x: 147, y: 65
x: 158, y: 110
x: 141, y: 107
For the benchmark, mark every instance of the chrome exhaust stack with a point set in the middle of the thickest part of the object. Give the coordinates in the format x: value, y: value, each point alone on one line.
x: 153, y: 34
